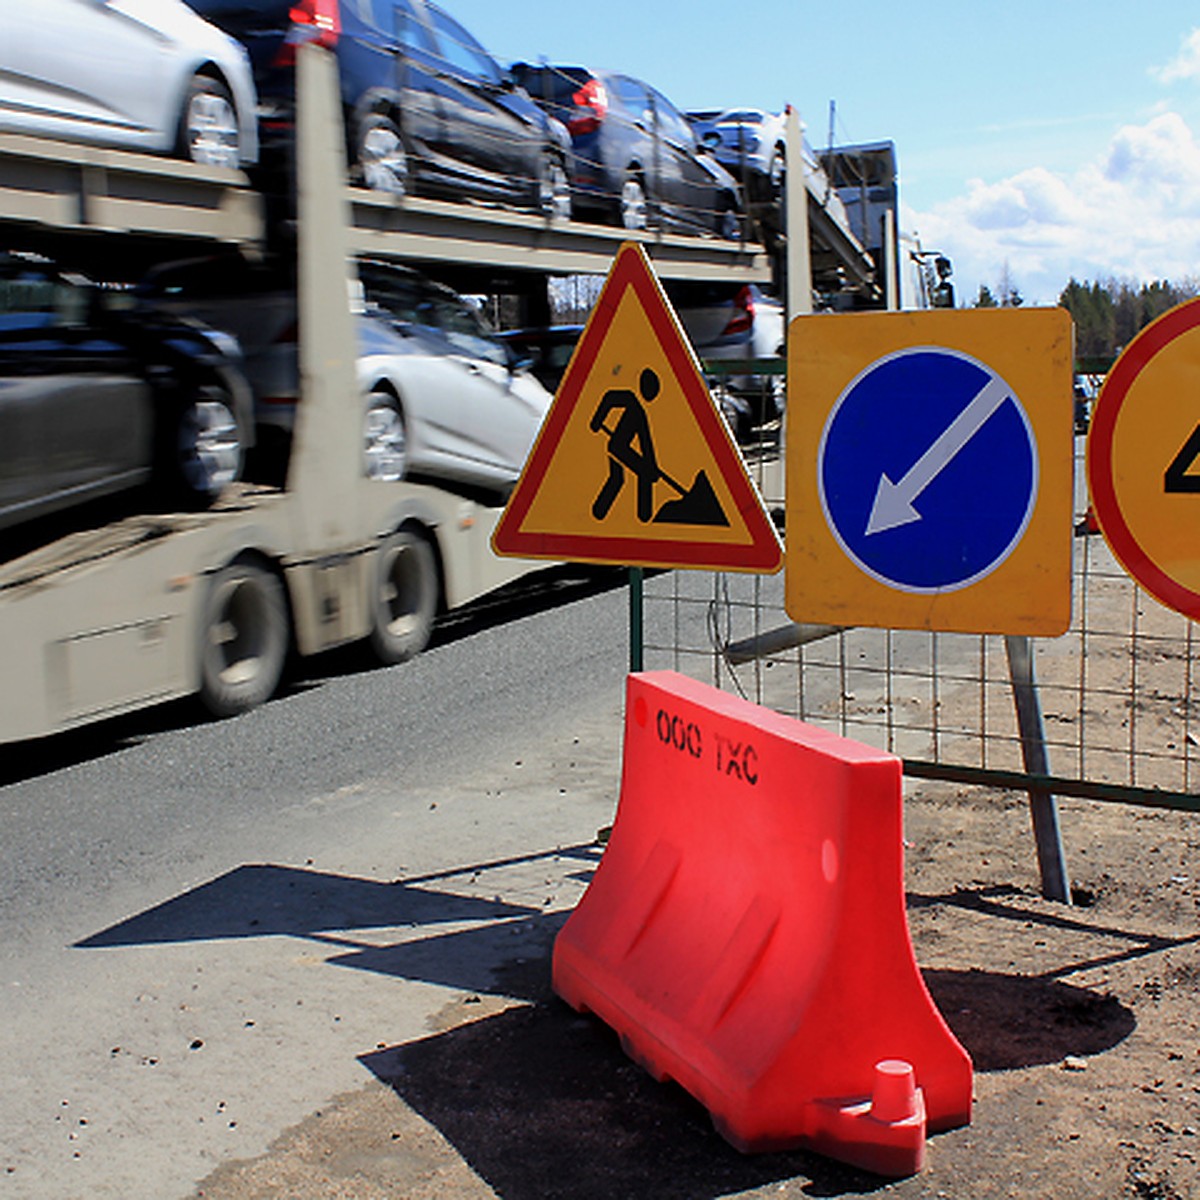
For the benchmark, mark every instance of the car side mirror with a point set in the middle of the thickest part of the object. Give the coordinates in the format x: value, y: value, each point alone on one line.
x: 518, y: 362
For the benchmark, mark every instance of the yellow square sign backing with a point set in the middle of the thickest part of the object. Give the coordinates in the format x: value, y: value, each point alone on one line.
x: 929, y: 470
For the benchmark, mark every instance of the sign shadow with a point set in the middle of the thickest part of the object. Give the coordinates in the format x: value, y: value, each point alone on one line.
x: 266, y: 900
x: 270, y: 900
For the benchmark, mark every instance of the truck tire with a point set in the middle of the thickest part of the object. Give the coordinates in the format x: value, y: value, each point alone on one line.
x: 404, y: 598
x: 244, y: 638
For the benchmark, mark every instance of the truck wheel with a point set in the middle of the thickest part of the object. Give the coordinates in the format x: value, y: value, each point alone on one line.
x: 244, y: 639
x: 404, y: 597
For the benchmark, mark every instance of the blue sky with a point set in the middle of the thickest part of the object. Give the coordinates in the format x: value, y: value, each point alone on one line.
x: 1036, y: 141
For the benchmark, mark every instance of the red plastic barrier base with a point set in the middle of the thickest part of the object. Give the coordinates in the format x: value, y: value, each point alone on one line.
x: 746, y: 935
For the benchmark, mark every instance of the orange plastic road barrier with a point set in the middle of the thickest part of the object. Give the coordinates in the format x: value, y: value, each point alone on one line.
x: 746, y: 934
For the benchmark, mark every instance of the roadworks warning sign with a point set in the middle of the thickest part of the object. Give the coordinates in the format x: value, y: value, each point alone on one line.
x: 634, y: 465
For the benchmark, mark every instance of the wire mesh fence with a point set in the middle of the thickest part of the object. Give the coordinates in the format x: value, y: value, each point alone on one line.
x: 1117, y: 692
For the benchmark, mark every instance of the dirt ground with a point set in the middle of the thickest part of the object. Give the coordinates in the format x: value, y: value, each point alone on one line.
x: 1083, y: 1023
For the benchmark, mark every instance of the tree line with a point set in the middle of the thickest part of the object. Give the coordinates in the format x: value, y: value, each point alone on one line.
x: 1107, y: 314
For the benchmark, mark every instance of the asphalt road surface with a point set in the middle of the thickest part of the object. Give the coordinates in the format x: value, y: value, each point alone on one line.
x: 179, y: 898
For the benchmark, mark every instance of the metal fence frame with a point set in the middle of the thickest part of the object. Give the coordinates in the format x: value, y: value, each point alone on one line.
x: 1109, y: 711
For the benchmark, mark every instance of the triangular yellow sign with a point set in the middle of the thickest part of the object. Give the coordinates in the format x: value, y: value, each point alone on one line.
x: 634, y: 465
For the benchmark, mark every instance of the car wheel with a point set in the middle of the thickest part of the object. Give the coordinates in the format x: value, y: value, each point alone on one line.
x: 245, y: 638
x: 777, y: 398
x: 554, y: 188
x: 735, y: 412
x: 385, y: 439
x: 208, y: 126
x: 405, y: 597
x: 729, y: 222
x: 634, y: 211
x: 382, y: 159
x: 777, y: 173
x: 202, y: 449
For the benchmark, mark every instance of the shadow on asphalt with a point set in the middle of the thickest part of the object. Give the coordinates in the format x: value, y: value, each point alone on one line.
x: 270, y: 900
x: 43, y: 756
x: 261, y: 900
x: 550, y: 588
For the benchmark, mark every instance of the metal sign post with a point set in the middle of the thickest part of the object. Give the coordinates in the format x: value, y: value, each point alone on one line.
x: 1043, y: 806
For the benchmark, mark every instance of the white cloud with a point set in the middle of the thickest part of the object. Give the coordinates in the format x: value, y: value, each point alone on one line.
x: 1185, y: 65
x: 1029, y: 199
x: 1161, y: 153
x: 1132, y: 214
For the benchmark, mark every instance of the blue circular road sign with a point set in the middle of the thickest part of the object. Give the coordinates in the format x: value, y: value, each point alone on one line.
x: 928, y: 470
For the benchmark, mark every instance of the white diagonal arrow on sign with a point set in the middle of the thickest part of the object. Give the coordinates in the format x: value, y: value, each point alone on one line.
x: 894, y: 501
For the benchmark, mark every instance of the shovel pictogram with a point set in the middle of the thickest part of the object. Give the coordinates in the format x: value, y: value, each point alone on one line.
x: 697, y: 505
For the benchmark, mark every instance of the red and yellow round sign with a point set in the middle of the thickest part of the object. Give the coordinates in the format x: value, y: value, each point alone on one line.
x: 1143, y: 459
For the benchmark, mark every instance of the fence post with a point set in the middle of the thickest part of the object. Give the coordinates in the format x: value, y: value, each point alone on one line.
x: 1042, y: 805
x: 637, y: 618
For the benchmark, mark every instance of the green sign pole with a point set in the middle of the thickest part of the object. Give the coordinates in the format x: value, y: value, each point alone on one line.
x: 636, y: 632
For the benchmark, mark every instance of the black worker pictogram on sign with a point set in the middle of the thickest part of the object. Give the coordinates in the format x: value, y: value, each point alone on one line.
x: 630, y: 445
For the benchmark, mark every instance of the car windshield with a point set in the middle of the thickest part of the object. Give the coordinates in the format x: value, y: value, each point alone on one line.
x: 410, y: 300
x: 670, y: 122
x: 414, y: 34
x: 27, y: 294
x: 400, y: 297
x: 31, y: 298
x: 633, y: 97
x: 465, y: 330
x: 553, y: 85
